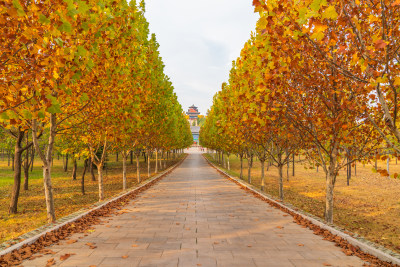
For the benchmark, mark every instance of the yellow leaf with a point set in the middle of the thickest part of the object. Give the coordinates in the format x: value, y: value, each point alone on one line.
x: 397, y: 81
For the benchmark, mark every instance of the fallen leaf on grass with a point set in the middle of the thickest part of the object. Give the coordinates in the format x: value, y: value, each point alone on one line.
x: 66, y: 256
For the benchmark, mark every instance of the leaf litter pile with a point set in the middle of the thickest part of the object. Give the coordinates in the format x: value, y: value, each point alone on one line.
x: 347, y: 248
x: 82, y: 225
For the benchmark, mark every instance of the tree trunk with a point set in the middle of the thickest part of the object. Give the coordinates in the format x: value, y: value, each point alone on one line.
x: 287, y: 166
x: 355, y: 168
x: 17, y: 163
x: 124, y: 156
x: 148, y: 164
x: 90, y: 169
x: 156, y: 170
x: 249, y: 166
x: 66, y: 163
x: 32, y: 158
x: 138, y: 168
x: 75, y: 167
x: 48, y: 190
x: 26, y: 165
x: 330, y: 184
x: 262, y: 175
x: 47, y: 161
x: 131, y: 157
x: 26, y: 170
x: 329, y: 198
x: 280, y: 168
x: 241, y: 167
x: 293, y: 164
x: 13, y: 162
x: 83, y: 176
x: 227, y: 159
x: 116, y: 157
x: 387, y: 166
x: 100, y: 180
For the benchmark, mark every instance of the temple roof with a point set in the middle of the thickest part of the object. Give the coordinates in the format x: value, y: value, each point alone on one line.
x: 191, y: 110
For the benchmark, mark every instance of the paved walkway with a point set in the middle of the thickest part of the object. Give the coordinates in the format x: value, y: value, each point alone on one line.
x: 195, y: 217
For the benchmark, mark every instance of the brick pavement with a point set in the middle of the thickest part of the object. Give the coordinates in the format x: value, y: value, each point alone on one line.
x: 195, y: 217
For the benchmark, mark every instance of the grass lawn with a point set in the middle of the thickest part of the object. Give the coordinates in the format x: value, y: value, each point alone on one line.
x: 67, y: 193
x: 370, y: 206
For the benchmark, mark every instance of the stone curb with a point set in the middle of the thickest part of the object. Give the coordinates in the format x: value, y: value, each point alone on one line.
x: 366, y: 246
x: 34, y: 235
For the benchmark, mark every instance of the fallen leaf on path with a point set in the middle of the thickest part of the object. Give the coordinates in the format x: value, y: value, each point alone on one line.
x: 326, y: 264
x: 48, y: 251
x: 71, y: 241
x: 280, y: 227
x: 66, y: 256
x: 125, y: 256
x: 300, y: 245
x: 134, y: 245
x: 51, y: 262
x: 35, y: 256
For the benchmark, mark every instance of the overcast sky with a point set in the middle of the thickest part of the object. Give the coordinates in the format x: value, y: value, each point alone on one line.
x: 198, y: 41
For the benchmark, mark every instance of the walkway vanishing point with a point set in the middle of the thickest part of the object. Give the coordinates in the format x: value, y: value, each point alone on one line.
x: 196, y: 217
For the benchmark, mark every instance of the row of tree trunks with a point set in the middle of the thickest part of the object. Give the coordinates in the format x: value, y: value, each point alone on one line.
x: 27, y: 163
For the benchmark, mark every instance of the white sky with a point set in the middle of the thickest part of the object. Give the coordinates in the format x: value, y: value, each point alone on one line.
x: 198, y: 41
